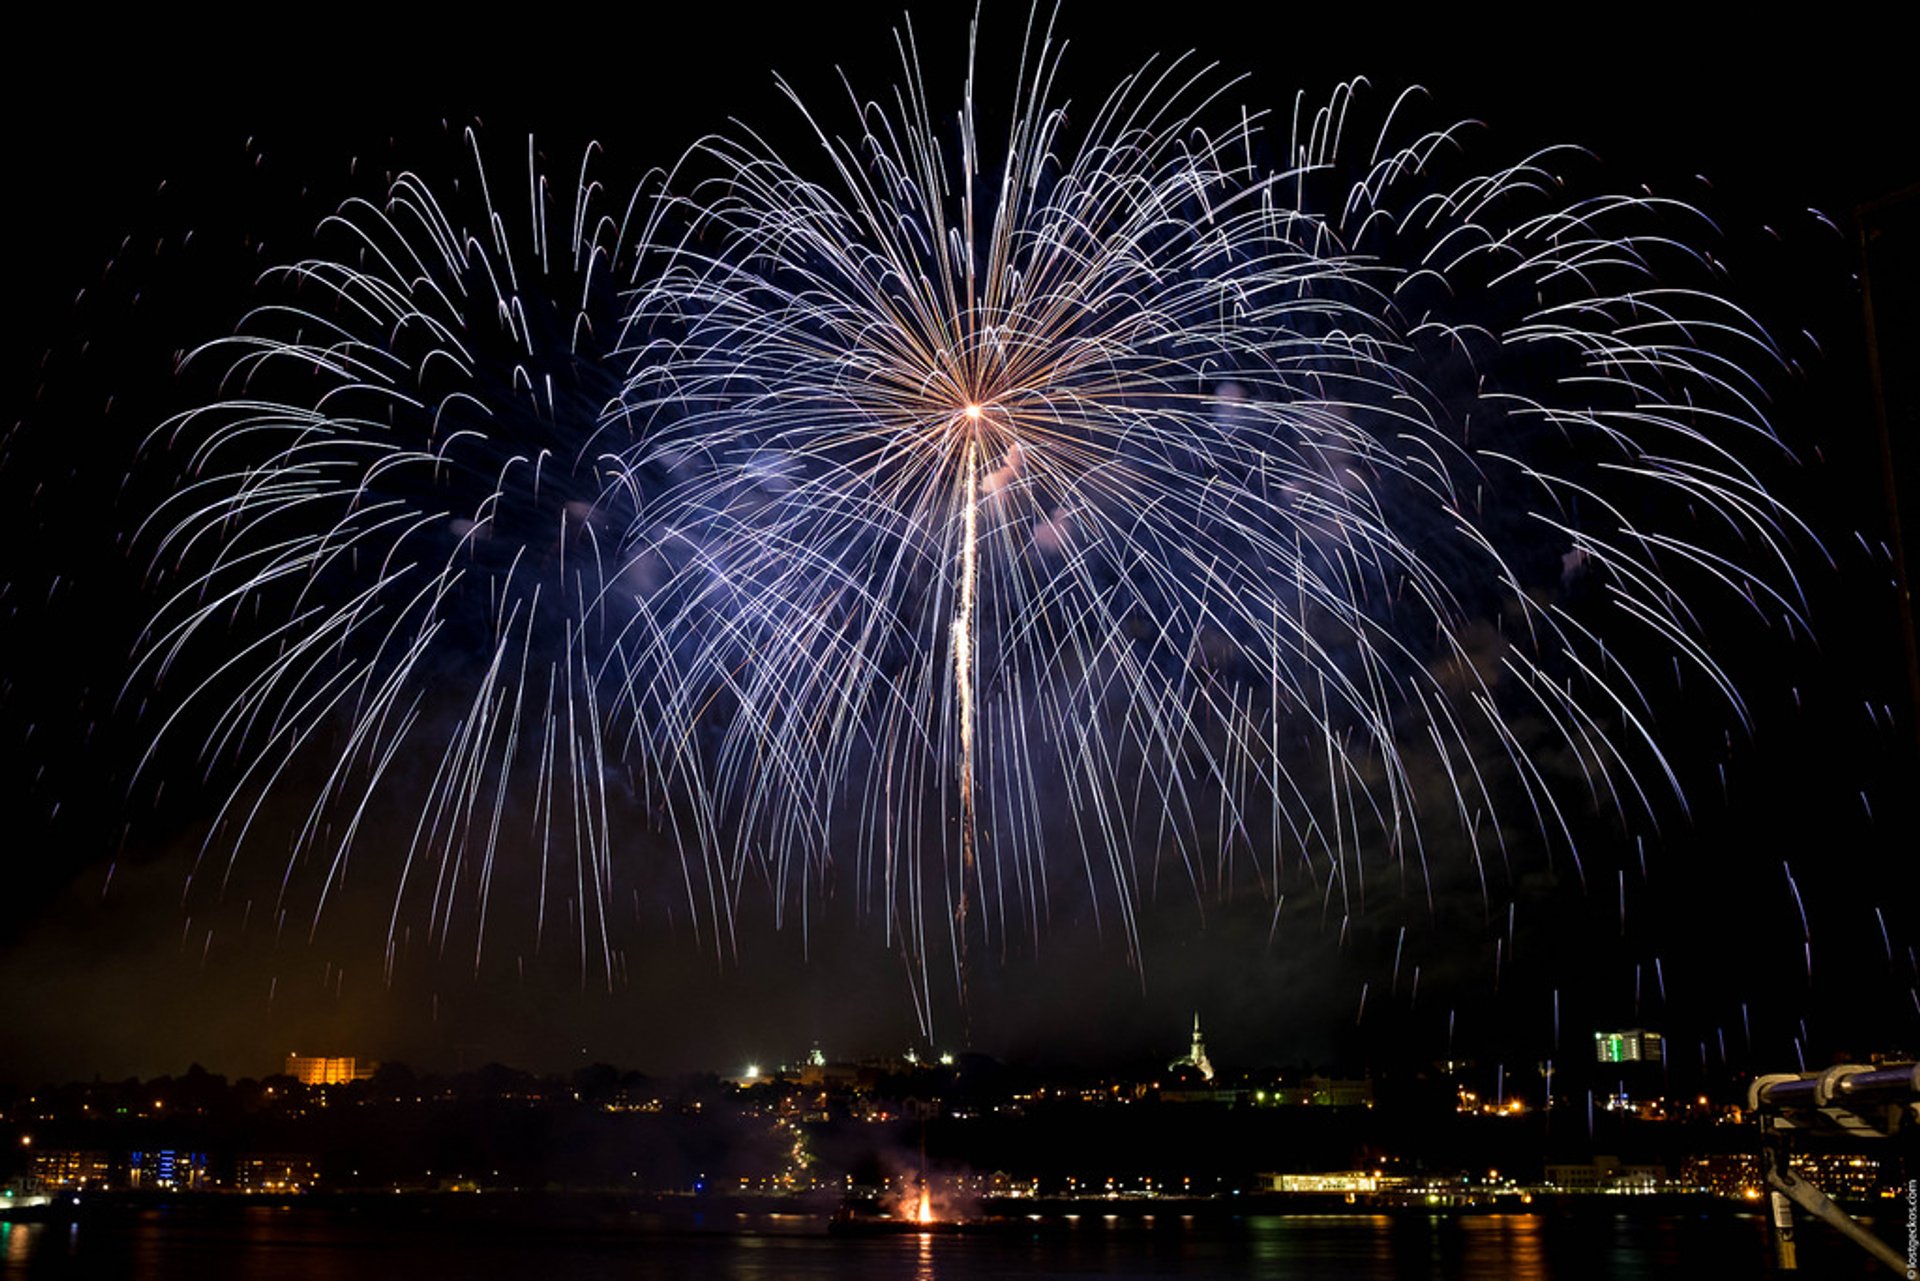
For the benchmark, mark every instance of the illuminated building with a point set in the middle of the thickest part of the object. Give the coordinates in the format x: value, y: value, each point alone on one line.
x: 1636, y: 1045
x: 61, y: 1170
x: 1842, y: 1175
x: 1196, y: 1054
x: 276, y: 1172
x: 313, y: 1070
x: 1341, y: 1181
x: 1606, y: 1174
x: 1728, y: 1174
x: 168, y: 1169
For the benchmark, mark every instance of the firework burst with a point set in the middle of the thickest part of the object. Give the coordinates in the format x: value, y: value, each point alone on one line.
x: 999, y: 521
x: 1168, y: 489
x: 400, y: 528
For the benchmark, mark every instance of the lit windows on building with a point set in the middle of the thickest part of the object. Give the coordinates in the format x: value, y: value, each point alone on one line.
x: 1635, y: 1045
x: 167, y: 1169
x: 276, y: 1172
x: 1345, y: 1181
x: 315, y: 1070
x: 70, y: 1170
x: 1607, y: 1174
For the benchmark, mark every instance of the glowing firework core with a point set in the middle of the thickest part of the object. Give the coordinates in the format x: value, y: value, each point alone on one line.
x: 963, y: 677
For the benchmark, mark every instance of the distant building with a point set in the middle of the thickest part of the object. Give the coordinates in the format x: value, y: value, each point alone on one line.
x: 61, y: 1170
x: 816, y: 1073
x: 1340, y: 1092
x: 1606, y: 1174
x: 1316, y: 1091
x: 167, y: 1169
x: 278, y: 1172
x: 1841, y: 1175
x: 312, y: 1070
x: 1727, y: 1174
x: 1635, y: 1045
x: 1849, y: 1176
x: 1338, y: 1181
x: 1196, y: 1054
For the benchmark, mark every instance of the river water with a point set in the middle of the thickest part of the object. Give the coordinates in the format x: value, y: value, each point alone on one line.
x: 318, y: 1243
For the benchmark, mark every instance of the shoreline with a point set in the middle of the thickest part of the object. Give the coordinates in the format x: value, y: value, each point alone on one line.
x: 588, y: 1208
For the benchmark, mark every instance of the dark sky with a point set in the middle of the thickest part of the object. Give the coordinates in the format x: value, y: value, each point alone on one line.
x: 245, y: 134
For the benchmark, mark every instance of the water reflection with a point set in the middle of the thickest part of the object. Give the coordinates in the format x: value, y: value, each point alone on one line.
x: 19, y: 1239
x: 1507, y: 1245
x: 506, y: 1240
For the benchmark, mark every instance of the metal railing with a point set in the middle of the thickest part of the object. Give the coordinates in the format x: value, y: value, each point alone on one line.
x: 1851, y: 1101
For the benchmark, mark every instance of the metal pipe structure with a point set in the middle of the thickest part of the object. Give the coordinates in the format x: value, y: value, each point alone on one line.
x: 1846, y: 1100
x: 1842, y: 1084
x: 1815, y: 1202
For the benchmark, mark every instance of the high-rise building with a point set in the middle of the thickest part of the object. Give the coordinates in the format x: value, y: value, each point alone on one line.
x: 1635, y: 1045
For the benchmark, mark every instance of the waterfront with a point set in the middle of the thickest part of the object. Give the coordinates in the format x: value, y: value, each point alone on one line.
x: 530, y: 1238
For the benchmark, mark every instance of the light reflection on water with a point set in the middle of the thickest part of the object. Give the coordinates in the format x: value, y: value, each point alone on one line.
x: 522, y: 1241
x: 18, y: 1239
x: 1509, y: 1242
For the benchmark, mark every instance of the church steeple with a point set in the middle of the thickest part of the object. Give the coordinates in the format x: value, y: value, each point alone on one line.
x: 1197, y: 1056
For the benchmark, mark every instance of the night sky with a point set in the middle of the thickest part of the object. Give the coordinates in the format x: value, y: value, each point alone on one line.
x: 155, y: 172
